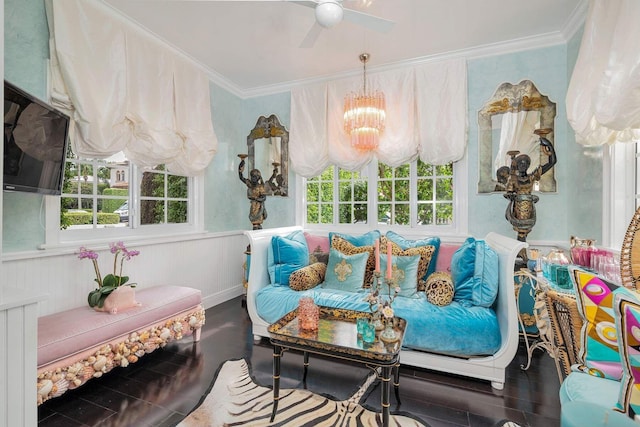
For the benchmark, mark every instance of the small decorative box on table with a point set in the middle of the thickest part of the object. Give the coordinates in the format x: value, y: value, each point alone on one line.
x: 337, y: 336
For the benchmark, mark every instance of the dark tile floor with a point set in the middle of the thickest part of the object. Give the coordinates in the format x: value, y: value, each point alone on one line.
x: 164, y: 386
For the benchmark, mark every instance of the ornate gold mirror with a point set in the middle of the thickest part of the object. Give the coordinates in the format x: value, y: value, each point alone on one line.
x: 506, y: 123
x: 268, y: 149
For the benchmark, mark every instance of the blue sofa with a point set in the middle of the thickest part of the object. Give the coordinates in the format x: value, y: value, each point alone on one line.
x: 462, y: 338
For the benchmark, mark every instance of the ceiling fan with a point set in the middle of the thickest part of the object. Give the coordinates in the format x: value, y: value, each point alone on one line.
x: 330, y: 13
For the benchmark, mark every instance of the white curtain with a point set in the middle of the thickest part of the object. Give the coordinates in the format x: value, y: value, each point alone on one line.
x: 441, y: 95
x: 127, y: 92
x: 426, y: 116
x: 603, y: 99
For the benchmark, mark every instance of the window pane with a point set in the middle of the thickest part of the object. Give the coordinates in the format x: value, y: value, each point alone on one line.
x: 313, y: 192
x: 424, y: 169
x: 425, y: 214
x: 345, y: 192
x: 444, y: 188
x: 425, y: 189
x: 152, y: 185
x: 327, y: 175
x: 384, y: 213
x: 326, y: 212
x: 326, y: 194
x: 360, y: 191
x: 345, y: 214
x: 402, y: 190
x: 401, y: 215
x: 360, y: 212
x: 313, y: 214
x: 446, y: 170
x: 403, y: 171
x: 178, y: 186
x: 151, y: 212
x: 444, y: 213
x: 384, y: 171
x: 177, y: 212
x: 384, y: 191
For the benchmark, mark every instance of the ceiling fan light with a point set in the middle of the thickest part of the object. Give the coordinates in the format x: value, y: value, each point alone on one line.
x: 329, y: 13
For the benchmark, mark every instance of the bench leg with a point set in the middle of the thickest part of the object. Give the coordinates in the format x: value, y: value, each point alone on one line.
x: 196, y: 335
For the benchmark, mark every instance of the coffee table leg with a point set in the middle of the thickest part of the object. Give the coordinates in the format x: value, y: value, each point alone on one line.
x: 396, y: 382
x: 386, y: 380
x: 306, y: 367
x: 277, y: 354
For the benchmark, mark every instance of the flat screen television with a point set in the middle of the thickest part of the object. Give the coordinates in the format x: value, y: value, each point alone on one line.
x: 35, y: 143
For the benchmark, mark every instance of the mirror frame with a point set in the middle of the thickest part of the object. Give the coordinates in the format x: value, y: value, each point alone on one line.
x: 270, y: 127
x: 512, y: 98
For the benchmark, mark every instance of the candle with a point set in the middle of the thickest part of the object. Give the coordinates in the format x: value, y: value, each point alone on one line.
x: 389, y: 267
x: 377, y: 254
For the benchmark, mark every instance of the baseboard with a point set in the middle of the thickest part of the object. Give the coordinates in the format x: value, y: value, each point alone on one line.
x: 214, y: 299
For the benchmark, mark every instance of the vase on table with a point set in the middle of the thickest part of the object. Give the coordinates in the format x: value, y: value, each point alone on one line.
x: 389, y: 334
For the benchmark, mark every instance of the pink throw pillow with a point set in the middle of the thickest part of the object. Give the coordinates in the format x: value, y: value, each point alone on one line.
x: 317, y: 243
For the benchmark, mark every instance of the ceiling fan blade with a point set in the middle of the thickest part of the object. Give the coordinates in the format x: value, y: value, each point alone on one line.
x: 370, y: 21
x: 312, y: 36
x: 309, y: 3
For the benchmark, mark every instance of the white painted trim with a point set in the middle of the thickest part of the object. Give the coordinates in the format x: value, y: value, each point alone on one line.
x: 618, y: 192
x: 516, y: 45
x: 222, y: 296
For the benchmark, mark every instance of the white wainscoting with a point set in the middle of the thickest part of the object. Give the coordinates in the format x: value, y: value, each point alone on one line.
x: 212, y: 263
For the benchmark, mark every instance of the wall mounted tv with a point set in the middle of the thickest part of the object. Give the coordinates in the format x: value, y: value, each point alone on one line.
x: 35, y: 143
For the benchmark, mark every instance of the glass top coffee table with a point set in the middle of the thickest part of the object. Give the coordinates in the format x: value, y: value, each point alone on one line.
x: 337, y: 337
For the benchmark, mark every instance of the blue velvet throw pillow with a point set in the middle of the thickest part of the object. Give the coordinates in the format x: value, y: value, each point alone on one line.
x: 405, y: 272
x: 475, y: 272
x: 367, y: 239
x: 345, y: 272
x: 286, y: 255
x: 407, y: 243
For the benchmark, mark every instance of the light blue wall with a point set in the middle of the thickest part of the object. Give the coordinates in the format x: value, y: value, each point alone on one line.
x: 578, y: 173
x: 547, y: 69
x: 26, y: 51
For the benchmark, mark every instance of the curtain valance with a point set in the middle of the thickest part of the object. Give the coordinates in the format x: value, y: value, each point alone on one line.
x: 603, y: 99
x: 426, y: 117
x: 127, y: 92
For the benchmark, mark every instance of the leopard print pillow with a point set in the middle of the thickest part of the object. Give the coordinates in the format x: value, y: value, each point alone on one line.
x: 439, y: 288
x: 307, y: 277
x: 425, y: 252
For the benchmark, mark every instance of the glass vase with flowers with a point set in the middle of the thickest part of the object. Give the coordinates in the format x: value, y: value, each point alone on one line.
x: 112, y: 281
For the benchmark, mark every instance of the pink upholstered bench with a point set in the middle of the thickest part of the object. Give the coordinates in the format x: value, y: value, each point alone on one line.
x: 82, y: 343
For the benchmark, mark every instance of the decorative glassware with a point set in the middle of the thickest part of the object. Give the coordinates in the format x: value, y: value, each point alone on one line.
x: 360, y: 324
x: 308, y: 314
x: 368, y: 333
x: 389, y: 334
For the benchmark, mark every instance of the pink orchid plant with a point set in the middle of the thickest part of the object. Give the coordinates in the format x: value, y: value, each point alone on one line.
x: 111, y: 281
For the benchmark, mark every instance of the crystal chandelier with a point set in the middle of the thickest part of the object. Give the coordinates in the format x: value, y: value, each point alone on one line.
x: 364, y: 114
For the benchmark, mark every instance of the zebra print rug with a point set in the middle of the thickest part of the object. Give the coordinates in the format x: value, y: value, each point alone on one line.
x: 236, y: 400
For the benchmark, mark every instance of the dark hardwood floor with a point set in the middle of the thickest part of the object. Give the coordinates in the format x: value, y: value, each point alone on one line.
x: 164, y: 386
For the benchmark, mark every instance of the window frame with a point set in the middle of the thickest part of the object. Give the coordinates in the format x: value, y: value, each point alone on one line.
x: 55, y: 237
x: 621, y: 194
x: 458, y: 228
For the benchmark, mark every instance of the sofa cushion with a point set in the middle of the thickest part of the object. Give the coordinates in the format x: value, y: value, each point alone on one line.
x: 628, y: 324
x: 367, y: 239
x: 599, y: 336
x: 345, y: 272
x: 581, y: 387
x: 318, y: 248
x: 286, y: 254
x: 70, y: 332
x: 342, y: 245
x: 439, y: 288
x: 307, y: 277
x: 426, y: 255
x: 408, y: 243
x: 404, y: 271
x: 475, y: 273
